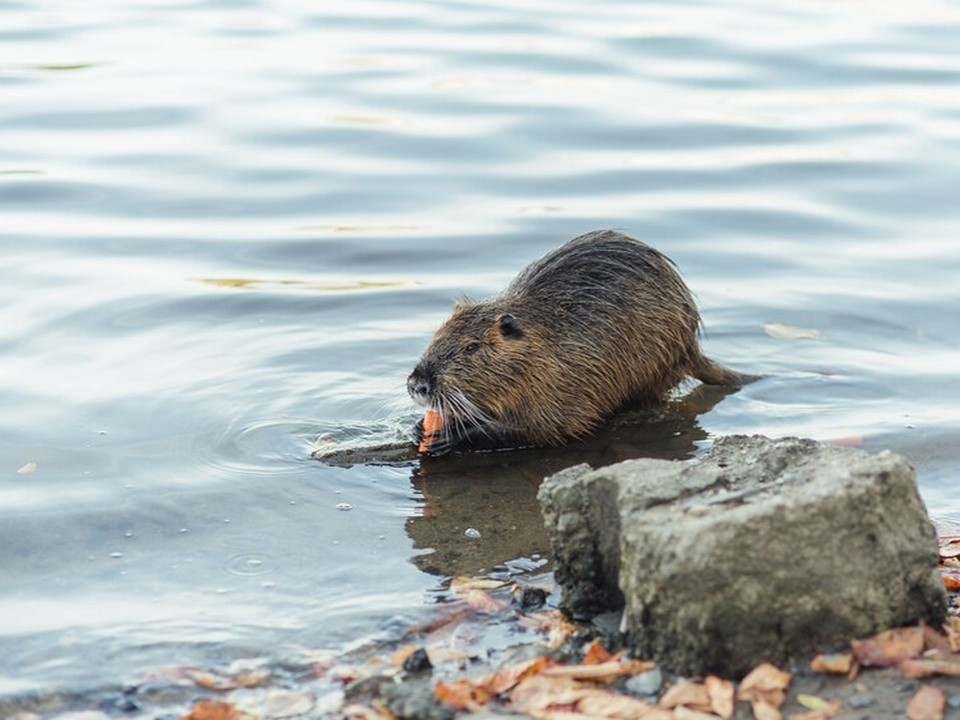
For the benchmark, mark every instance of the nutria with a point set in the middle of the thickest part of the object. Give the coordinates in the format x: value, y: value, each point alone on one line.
x: 600, y: 322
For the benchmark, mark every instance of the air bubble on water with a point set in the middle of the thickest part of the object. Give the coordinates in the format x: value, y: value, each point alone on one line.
x: 344, y: 506
x: 116, y: 554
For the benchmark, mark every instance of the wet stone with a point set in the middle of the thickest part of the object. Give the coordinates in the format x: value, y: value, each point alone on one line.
x: 531, y: 598
x: 645, y: 684
x: 860, y: 701
x: 417, y: 662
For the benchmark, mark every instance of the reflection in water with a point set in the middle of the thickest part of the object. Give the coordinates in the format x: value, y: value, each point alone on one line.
x: 495, y: 492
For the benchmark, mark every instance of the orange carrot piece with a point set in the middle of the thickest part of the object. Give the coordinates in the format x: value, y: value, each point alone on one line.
x: 432, y: 424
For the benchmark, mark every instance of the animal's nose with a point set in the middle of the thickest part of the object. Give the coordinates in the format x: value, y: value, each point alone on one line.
x: 420, y: 384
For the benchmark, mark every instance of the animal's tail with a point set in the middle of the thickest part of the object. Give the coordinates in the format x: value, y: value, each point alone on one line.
x: 713, y: 373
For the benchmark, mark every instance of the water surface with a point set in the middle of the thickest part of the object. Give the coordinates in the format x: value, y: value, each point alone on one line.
x: 227, y: 230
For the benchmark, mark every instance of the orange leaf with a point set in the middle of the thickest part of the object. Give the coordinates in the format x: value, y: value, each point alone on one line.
x: 889, y: 647
x: 609, y: 670
x: 213, y: 710
x: 951, y: 578
x: 461, y: 695
x: 764, y: 685
x: 691, y: 695
x: 927, y: 704
x: 596, y: 654
x: 506, y: 678
x: 721, y: 696
x: 925, y: 667
x: 832, y: 663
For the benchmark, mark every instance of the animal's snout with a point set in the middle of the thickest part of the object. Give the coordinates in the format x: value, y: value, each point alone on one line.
x: 420, y: 383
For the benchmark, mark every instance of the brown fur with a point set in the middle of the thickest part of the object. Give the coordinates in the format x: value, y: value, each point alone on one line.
x: 601, y: 321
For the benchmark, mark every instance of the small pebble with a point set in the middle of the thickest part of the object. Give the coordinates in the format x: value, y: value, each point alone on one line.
x: 954, y: 701
x: 531, y: 598
x: 860, y: 701
x: 646, y: 683
x: 417, y: 662
x: 472, y: 533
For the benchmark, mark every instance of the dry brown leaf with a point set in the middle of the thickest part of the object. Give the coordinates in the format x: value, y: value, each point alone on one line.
x: 765, y: 711
x: 553, y: 622
x: 596, y: 653
x: 809, y: 715
x: 506, y: 678
x: 214, y: 710
x: 681, y: 712
x: 691, y: 695
x: 461, y: 695
x: 933, y: 640
x: 889, y: 647
x: 545, y: 697
x: 952, y: 629
x: 832, y: 663
x: 765, y: 684
x: 720, y: 692
x: 949, y: 546
x: 927, y: 704
x: 951, y: 578
x: 222, y: 683
x: 926, y: 667
x: 609, y: 670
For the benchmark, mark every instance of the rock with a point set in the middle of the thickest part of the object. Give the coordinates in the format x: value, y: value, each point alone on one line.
x: 757, y: 550
x: 645, y: 684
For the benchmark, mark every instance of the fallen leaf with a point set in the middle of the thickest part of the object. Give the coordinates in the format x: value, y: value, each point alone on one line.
x: 832, y: 663
x: 554, y: 623
x: 544, y: 697
x: 949, y: 546
x: 463, y: 583
x: 952, y: 629
x: 603, y: 671
x: 926, y: 667
x: 790, y: 332
x: 596, y: 653
x: 691, y: 695
x: 763, y: 678
x: 951, y: 578
x: 721, y: 695
x: 222, y: 683
x: 810, y: 715
x: 934, y: 641
x: 927, y: 704
x: 819, y: 705
x: 507, y: 677
x: 461, y: 695
x: 889, y: 647
x: 27, y: 468
x: 765, y: 711
x: 214, y: 710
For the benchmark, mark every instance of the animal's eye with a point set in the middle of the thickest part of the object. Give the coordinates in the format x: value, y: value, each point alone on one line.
x: 471, y: 348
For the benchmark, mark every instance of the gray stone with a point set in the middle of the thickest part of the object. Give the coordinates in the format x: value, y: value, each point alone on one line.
x: 646, y: 683
x: 757, y: 550
x: 860, y: 701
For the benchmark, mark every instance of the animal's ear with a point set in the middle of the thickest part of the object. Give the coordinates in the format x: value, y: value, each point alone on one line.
x: 509, y: 326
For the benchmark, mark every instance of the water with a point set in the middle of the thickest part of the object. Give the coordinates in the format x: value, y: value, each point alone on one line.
x: 229, y: 228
